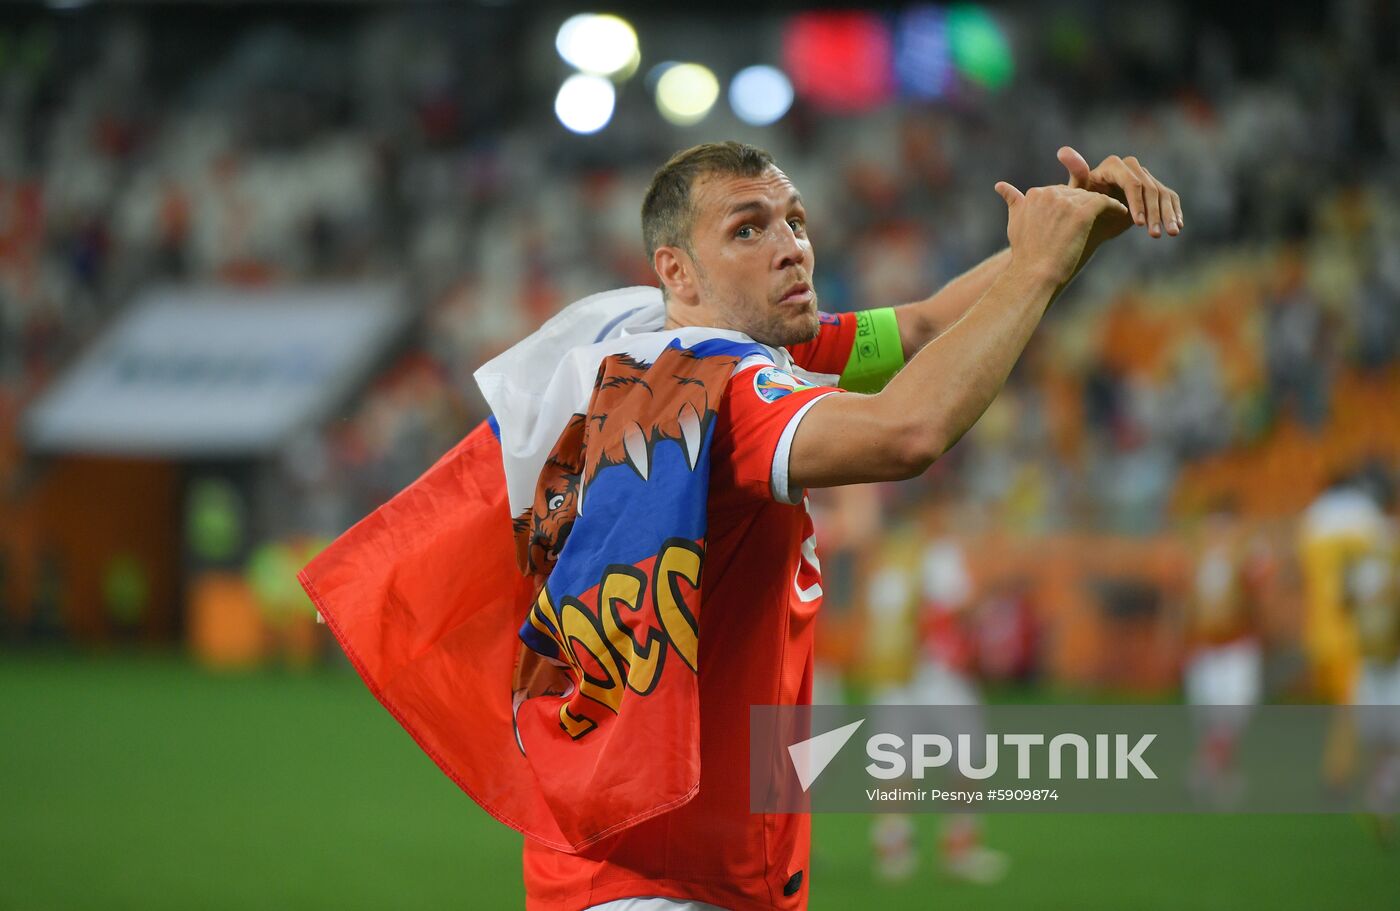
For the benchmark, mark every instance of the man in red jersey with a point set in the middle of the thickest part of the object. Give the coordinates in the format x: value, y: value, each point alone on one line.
x: 727, y: 234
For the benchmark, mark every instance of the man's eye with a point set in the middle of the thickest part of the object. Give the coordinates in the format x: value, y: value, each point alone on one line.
x: 556, y: 501
x: 744, y: 233
x: 797, y: 225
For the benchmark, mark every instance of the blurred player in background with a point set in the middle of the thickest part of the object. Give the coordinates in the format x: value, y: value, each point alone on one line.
x: 1343, y: 524
x: 887, y: 664
x: 1373, y: 601
x: 940, y: 588
x: 1224, y: 670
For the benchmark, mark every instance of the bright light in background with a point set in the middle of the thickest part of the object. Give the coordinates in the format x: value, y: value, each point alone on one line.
x: 923, y: 62
x: 602, y: 45
x: 585, y: 103
x: 840, y: 60
x: 686, y: 92
x: 654, y: 74
x: 629, y: 69
x: 980, y: 49
x: 760, y: 95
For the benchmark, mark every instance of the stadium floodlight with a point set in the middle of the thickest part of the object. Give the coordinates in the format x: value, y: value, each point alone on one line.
x: 654, y: 74
x: 686, y: 92
x: 923, y: 59
x: 600, y: 45
x: 760, y: 95
x: 840, y: 60
x: 981, y: 50
x: 585, y: 103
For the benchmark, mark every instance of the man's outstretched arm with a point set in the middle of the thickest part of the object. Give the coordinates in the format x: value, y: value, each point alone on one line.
x: 898, y: 432
x: 1125, y: 179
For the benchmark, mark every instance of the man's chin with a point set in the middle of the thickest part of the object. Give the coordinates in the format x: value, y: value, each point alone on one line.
x: 808, y: 325
x: 792, y: 331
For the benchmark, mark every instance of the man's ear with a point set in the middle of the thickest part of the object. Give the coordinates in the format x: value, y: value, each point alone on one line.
x: 676, y: 270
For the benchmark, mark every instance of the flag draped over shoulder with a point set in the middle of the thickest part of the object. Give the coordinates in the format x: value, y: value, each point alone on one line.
x: 529, y: 608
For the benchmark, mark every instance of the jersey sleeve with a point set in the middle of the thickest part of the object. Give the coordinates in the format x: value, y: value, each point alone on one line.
x: 758, y: 417
x: 862, y: 348
x: 829, y: 351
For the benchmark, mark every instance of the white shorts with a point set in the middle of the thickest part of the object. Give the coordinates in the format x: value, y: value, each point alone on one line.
x: 1225, y: 675
x: 1224, y: 682
x: 653, y: 903
x: 1379, y: 685
x: 937, y: 684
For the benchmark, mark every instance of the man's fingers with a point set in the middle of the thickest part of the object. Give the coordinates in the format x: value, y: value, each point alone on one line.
x: 1009, y: 193
x: 1116, y: 172
x: 1105, y: 203
x: 1150, y: 196
x: 1075, y: 164
x: 1165, y: 203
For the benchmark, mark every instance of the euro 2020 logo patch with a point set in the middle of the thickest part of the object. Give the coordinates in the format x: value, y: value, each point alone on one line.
x: 772, y: 384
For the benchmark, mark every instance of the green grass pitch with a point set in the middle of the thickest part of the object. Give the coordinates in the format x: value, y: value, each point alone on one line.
x: 146, y: 783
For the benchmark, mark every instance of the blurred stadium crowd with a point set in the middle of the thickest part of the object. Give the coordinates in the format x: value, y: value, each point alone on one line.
x: 1244, y: 368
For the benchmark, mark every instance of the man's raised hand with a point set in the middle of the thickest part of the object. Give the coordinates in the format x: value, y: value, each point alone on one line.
x: 1053, y: 229
x: 1151, y: 202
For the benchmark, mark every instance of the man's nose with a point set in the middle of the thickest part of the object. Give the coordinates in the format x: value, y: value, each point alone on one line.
x: 791, y: 250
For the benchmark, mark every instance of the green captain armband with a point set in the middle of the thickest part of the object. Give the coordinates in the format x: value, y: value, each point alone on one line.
x: 877, y: 353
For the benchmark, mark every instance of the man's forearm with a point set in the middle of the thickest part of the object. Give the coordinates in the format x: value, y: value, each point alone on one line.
x: 947, y: 386
x: 922, y: 321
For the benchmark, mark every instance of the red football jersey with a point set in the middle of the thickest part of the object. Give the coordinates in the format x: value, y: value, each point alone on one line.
x: 761, y: 591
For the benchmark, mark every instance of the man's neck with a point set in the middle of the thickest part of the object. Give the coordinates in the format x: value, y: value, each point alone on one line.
x: 686, y: 319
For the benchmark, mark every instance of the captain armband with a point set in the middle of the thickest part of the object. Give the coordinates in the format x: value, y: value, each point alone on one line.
x: 877, y: 353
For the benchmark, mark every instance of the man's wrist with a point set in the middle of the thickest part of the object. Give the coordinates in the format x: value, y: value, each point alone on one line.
x: 1089, y: 250
x: 1033, y: 278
